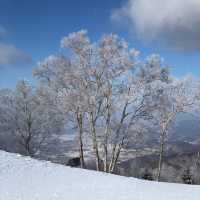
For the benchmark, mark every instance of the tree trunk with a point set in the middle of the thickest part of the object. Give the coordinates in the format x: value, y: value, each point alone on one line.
x: 28, y: 150
x: 160, y: 162
x: 106, y: 137
x: 116, y: 156
x: 95, y: 143
x: 105, y: 159
x: 28, y: 139
x: 80, y: 125
x: 112, y: 158
x: 115, y: 151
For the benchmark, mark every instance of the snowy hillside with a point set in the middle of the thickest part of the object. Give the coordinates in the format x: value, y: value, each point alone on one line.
x: 27, y: 179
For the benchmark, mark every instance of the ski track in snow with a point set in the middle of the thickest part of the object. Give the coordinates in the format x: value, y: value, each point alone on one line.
x: 23, y: 178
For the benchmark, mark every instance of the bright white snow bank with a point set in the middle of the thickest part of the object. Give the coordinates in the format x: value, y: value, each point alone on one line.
x: 27, y: 179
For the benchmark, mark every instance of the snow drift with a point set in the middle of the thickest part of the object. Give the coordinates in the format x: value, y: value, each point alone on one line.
x: 23, y: 178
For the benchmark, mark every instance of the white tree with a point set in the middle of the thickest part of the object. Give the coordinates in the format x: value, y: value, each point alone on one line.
x: 102, y: 68
x: 135, y: 108
x: 6, y: 116
x: 170, y: 100
x: 30, y: 116
x: 104, y: 87
x: 63, y: 78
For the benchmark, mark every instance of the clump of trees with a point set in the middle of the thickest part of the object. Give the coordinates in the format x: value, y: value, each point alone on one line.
x: 30, y: 115
x: 104, y: 87
x: 105, y: 91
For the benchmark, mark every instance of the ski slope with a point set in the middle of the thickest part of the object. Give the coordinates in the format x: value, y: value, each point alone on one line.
x: 23, y: 178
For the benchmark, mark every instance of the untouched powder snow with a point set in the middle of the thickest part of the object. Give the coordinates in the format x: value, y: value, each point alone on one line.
x: 23, y: 178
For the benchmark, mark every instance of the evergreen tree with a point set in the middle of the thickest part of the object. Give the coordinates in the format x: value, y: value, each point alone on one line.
x: 187, y: 177
x: 147, y: 175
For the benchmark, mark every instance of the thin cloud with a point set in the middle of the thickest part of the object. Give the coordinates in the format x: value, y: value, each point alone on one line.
x: 174, y: 22
x: 10, y: 55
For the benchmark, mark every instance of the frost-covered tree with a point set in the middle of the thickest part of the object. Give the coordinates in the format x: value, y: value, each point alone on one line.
x: 63, y: 78
x: 178, y: 96
x: 131, y: 102
x: 103, y: 86
x: 91, y: 82
x: 6, y: 103
x: 30, y: 116
x: 6, y: 116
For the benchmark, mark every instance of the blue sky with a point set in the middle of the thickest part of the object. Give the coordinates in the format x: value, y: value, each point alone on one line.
x: 31, y: 30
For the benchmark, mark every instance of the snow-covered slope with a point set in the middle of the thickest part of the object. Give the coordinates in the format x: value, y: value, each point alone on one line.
x: 27, y: 179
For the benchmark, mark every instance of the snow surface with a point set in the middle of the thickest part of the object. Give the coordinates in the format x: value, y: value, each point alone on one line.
x: 23, y: 178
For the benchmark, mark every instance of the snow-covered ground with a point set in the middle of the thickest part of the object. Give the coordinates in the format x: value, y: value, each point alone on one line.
x: 22, y: 178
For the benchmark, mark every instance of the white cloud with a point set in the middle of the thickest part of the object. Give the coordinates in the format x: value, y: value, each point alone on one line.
x: 10, y: 55
x: 176, y: 22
